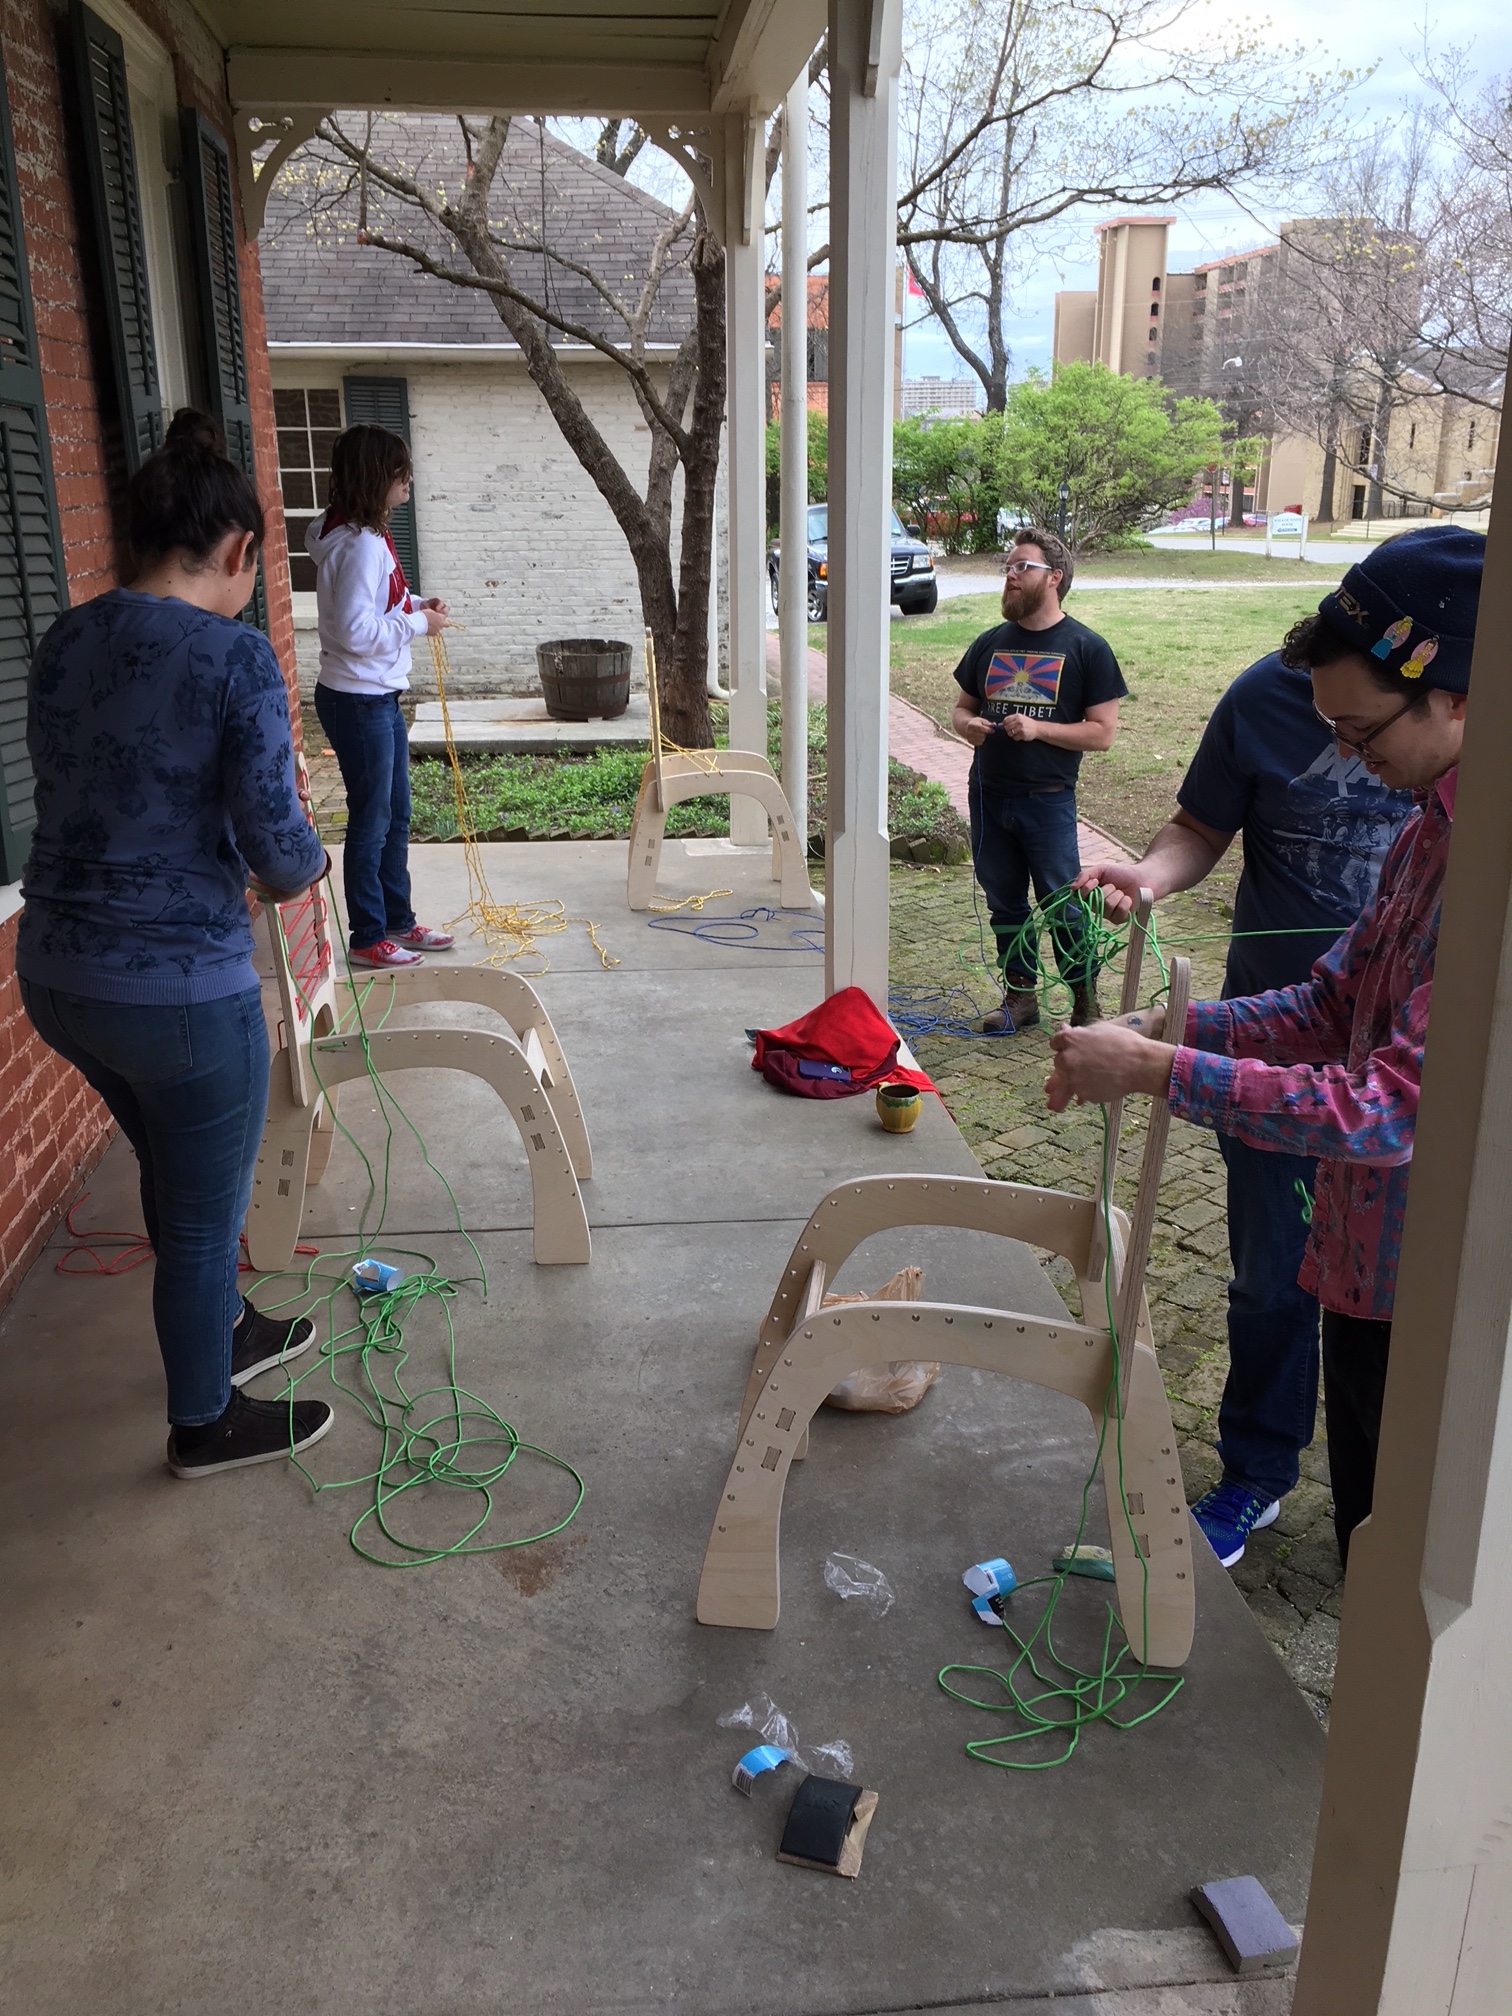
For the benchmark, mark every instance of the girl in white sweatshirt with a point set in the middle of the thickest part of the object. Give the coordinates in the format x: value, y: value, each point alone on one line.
x: 367, y: 617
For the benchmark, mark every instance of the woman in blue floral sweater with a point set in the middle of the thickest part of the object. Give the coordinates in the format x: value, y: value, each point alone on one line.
x: 159, y: 733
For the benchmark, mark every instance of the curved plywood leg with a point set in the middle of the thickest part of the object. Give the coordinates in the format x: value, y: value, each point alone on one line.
x: 853, y: 1212
x: 647, y: 830
x: 560, y: 1222
x: 1151, y: 1538
x: 740, y: 1583
x: 739, y: 775
x: 278, y: 1182
x: 511, y: 997
x: 322, y: 1139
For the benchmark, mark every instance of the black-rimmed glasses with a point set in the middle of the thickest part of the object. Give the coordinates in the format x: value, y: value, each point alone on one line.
x: 1361, y: 746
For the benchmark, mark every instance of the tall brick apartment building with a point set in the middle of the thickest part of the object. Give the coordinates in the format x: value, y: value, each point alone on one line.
x: 127, y: 288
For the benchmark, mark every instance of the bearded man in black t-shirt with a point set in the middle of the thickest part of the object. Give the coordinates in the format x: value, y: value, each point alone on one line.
x: 1035, y: 693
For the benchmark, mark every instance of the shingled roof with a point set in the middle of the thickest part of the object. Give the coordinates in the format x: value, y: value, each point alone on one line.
x: 321, y: 286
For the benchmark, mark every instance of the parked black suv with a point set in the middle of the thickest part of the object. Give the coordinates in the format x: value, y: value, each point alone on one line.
x: 914, y: 587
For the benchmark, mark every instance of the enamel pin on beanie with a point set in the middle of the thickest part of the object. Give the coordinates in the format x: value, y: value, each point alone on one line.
x: 1412, y: 604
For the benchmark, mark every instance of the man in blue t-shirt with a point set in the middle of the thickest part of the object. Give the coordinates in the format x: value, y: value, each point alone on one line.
x: 1315, y: 828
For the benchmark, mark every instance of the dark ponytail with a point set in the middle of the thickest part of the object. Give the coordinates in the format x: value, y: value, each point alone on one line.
x: 188, y: 496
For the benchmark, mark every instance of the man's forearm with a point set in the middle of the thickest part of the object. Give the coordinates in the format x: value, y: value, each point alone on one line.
x: 1084, y: 735
x: 1177, y: 858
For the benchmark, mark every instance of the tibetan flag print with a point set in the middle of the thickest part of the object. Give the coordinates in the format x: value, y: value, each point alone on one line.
x: 1023, y: 679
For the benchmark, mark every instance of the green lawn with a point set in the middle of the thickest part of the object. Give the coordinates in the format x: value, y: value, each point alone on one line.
x: 1178, y: 652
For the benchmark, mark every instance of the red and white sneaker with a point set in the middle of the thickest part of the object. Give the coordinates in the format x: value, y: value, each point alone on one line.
x: 384, y: 953
x: 422, y: 939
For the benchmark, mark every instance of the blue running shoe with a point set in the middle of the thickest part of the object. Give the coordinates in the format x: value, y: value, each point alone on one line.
x: 1228, y: 1514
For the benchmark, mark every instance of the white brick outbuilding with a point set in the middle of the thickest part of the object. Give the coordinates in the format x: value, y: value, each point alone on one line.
x: 507, y: 525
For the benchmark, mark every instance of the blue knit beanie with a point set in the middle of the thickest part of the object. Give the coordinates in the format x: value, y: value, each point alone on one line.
x: 1412, y: 604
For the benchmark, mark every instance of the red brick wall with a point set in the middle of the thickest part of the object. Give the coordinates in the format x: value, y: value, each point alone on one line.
x: 53, y: 1127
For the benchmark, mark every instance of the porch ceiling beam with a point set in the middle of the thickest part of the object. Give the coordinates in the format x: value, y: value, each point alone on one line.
x: 760, y: 48
x: 287, y: 80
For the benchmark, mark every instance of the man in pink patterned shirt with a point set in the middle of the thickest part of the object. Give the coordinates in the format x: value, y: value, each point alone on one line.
x: 1333, y: 1068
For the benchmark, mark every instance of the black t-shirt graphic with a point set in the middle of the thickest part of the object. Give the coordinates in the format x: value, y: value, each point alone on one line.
x: 1054, y: 675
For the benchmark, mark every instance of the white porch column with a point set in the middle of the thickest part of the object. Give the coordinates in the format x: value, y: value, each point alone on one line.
x: 745, y: 290
x: 865, y: 40
x: 1411, y: 1905
x: 793, y: 610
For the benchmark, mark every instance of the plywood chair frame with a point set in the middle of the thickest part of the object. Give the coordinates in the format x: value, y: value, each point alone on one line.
x: 672, y: 776
x: 319, y: 1052
x: 805, y: 1349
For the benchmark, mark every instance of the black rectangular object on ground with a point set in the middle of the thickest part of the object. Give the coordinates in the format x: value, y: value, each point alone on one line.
x: 819, y: 1820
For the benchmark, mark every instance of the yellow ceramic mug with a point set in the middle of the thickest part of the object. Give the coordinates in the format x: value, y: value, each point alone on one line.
x: 898, y: 1107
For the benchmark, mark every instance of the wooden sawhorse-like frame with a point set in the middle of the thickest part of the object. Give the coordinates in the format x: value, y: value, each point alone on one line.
x: 320, y: 1050
x: 672, y: 776
x: 804, y: 1350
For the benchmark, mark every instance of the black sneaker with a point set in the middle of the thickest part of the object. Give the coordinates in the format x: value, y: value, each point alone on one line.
x: 250, y: 1431
x: 259, y: 1342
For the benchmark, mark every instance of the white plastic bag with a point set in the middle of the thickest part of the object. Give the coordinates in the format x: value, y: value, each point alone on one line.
x: 886, y: 1389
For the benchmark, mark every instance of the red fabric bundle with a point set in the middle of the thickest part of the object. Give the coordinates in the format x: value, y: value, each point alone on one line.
x: 846, y: 1030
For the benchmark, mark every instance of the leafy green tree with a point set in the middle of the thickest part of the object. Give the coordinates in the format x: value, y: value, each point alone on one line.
x: 946, y: 479
x: 818, y: 464
x: 1125, y: 449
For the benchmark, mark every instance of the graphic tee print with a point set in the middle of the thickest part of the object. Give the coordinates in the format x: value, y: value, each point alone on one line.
x: 1053, y: 675
x: 1029, y: 680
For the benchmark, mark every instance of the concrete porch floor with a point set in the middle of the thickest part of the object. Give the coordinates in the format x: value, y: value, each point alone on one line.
x: 249, y: 1772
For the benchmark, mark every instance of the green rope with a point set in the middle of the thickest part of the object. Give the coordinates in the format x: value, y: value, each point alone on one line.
x: 441, y: 1435
x: 1072, y: 1698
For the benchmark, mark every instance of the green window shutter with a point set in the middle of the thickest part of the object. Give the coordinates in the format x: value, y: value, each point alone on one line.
x: 33, y: 585
x: 116, y: 200
x: 210, y: 185
x: 385, y: 402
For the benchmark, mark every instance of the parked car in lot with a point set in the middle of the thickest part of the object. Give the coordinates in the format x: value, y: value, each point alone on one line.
x: 914, y: 587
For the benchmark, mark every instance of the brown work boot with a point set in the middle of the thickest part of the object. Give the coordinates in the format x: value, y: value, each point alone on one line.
x: 1084, y: 1006
x: 1020, y: 1010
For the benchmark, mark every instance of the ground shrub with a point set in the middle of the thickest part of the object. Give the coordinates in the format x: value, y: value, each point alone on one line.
x: 592, y: 797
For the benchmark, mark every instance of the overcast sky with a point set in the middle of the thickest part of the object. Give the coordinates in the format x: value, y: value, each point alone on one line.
x: 1352, y: 32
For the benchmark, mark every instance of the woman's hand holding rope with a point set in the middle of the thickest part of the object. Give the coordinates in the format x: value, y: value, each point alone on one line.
x: 1104, y: 1061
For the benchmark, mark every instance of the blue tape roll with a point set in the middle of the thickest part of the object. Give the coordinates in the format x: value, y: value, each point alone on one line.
x: 376, y: 1277
x: 990, y: 1578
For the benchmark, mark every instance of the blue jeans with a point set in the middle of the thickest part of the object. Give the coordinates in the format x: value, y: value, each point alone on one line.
x: 1015, y: 840
x: 372, y: 747
x: 189, y: 1087
x: 1270, y: 1399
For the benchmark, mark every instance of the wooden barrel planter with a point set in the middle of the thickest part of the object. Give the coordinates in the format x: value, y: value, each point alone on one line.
x: 584, y: 678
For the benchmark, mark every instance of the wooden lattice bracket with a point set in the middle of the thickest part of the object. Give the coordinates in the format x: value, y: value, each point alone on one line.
x: 804, y: 1349
x: 329, y: 1028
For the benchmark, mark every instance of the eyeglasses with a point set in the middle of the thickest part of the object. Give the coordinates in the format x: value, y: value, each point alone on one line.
x: 1024, y: 566
x: 1361, y: 746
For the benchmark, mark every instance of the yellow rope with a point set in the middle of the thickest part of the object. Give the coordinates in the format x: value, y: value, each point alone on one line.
x: 511, y: 930
x: 690, y: 902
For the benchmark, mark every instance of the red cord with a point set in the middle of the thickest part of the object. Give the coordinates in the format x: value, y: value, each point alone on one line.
x: 135, y: 1249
